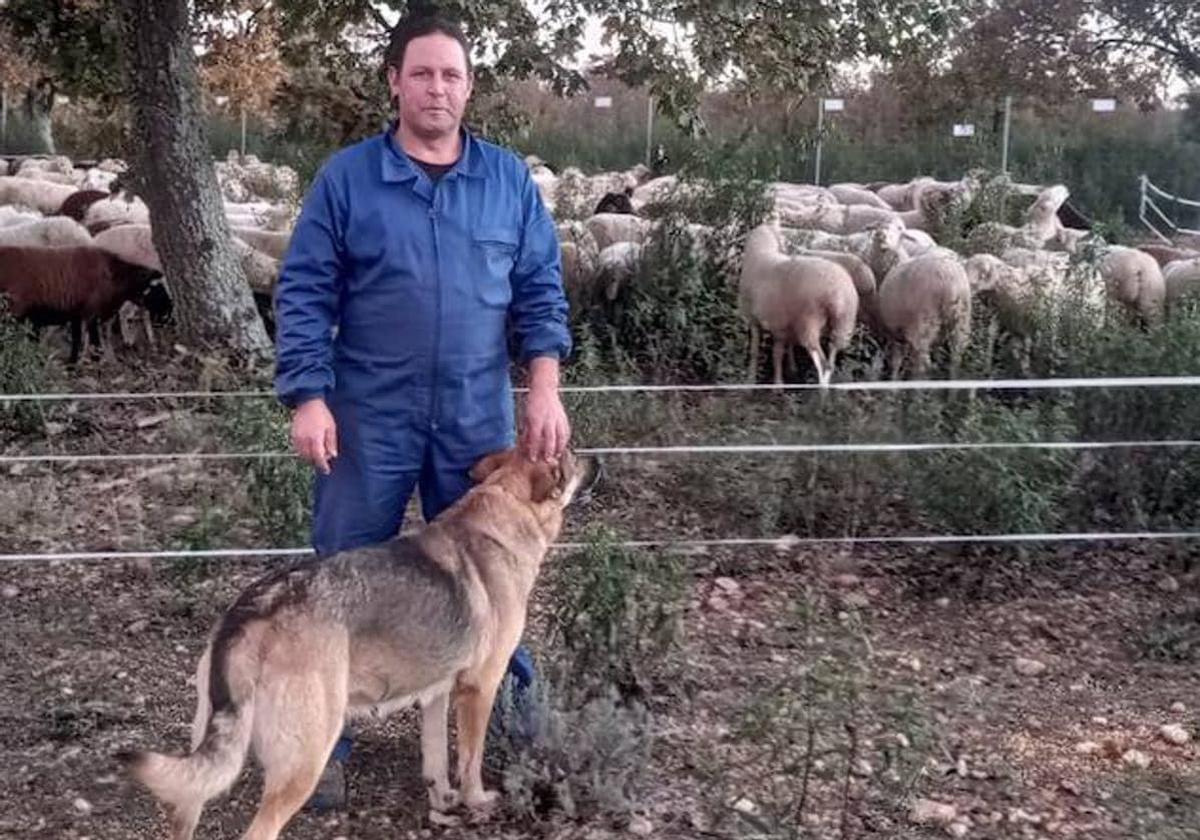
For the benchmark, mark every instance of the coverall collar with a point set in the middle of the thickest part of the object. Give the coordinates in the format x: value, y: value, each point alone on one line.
x: 395, y: 166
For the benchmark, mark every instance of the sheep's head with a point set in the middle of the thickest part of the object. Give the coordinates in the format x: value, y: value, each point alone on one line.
x: 156, y: 300
x: 1047, y: 203
x: 986, y: 272
x: 887, y: 234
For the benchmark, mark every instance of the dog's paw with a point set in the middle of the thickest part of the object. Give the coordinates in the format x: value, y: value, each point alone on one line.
x: 444, y: 800
x: 483, y: 801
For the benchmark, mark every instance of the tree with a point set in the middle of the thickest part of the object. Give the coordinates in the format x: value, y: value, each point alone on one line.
x: 1154, y: 28
x: 242, y: 60
x: 173, y: 170
x: 73, y: 45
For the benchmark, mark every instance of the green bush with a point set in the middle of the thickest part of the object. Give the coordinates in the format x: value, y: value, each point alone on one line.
x: 23, y: 370
x: 616, y: 616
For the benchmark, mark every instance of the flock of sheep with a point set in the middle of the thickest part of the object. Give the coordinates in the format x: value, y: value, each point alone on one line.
x: 827, y: 262
x: 76, y: 248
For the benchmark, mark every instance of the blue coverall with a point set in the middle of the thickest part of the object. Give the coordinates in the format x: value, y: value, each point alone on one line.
x: 394, y: 303
x: 421, y: 282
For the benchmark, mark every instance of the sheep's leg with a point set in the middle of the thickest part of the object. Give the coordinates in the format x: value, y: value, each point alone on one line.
x: 792, y: 359
x: 831, y: 361
x: 754, y: 340
x: 97, y: 346
x: 896, y: 359
x: 76, y: 340
x: 818, y: 360
x: 779, y: 349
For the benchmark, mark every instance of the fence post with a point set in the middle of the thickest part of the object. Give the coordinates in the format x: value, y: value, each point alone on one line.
x: 649, y: 130
x: 1004, y: 142
x: 820, y: 132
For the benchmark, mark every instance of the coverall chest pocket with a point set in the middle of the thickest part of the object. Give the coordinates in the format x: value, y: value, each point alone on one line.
x: 495, y: 252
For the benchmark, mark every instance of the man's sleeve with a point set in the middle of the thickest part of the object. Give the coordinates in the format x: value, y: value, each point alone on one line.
x: 306, y: 297
x: 539, y: 305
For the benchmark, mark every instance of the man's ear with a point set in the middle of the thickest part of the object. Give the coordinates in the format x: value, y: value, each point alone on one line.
x: 488, y: 464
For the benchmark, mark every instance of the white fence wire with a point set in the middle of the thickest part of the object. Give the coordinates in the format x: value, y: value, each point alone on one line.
x: 1153, y: 216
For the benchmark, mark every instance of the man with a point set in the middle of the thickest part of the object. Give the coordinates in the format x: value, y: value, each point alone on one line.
x: 415, y: 253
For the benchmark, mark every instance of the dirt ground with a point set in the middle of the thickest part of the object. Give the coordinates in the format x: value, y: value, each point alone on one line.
x: 1039, y: 686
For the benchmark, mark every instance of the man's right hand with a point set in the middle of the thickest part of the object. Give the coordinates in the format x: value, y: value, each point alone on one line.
x: 314, y: 434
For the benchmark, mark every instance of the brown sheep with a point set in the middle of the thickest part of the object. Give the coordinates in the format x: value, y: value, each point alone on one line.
x: 72, y: 284
x: 76, y: 205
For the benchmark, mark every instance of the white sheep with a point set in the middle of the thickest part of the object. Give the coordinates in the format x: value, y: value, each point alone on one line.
x: 610, y: 228
x: 856, y: 194
x: 53, y: 232
x: 1133, y: 279
x: 799, y: 300
x: 865, y: 283
x: 10, y: 216
x: 43, y: 196
x: 117, y: 211
x: 921, y: 300
x: 1182, y: 278
x: 618, y: 264
x: 879, y: 247
x: 272, y: 243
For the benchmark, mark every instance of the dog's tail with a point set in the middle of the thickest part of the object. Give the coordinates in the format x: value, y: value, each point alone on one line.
x: 184, y: 783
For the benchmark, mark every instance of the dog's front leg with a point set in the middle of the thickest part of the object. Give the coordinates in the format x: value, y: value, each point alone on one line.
x: 435, y: 755
x: 473, y: 706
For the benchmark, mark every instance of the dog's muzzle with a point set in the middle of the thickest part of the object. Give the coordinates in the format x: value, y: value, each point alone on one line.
x: 593, y: 471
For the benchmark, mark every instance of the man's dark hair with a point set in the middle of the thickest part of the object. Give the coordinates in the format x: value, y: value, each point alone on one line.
x: 418, y: 25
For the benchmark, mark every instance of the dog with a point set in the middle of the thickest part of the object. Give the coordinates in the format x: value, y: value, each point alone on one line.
x: 425, y: 618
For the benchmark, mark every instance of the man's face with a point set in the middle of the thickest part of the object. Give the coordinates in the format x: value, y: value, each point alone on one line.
x: 433, y: 86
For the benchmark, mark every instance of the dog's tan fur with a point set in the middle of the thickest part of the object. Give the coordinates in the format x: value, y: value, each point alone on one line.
x: 303, y: 649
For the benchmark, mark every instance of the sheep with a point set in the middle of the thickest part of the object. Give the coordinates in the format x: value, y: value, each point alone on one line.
x: 117, y: 210
x: 75, y: 206
x: 10, y: 216
x: 916, y: 242
x: 878, y: 247
x: 1182, y: 280
x: 864, y: 283
x: 1164, y: 254
x: 1133, y: 279
x: 921, y: 299
x: 46, y: 232
x: 609, y: 228
x: 42, y: 196
x: 1041, y: 227
x: 272, y: 243
x: 1013, y: 292
x: 60, y: 164
x: 900, y: 196
x: 135, y: 243
x: 616, y: 265
x: 797, y: 299
x: 98, y: 179
x: 70, y: 284
x: 49, y: 177
x: 854, y: 194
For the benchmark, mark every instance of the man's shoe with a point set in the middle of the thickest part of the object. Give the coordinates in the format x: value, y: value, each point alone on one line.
x: 331, y: 794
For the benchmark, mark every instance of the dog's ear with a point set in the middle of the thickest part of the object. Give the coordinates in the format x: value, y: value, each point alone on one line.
x: 544, y: 481
x: 488, y: 464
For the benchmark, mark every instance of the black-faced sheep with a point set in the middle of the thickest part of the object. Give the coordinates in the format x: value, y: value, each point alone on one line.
x: 617, y: 202
x: 72, y: 284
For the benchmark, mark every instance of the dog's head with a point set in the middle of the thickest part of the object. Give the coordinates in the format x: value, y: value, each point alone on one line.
x: 555, y: 484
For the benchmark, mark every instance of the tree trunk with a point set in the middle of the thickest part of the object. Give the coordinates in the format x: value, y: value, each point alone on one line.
x: 174, y: 172
x: 39, y: 99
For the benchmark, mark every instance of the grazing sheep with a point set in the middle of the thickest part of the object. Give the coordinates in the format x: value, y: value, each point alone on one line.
x: 260, y: 269
x: 1014, y: 294
x: 98, y: 179
x: 822, y: 216
x: 1133, y: 279
x: 60, y: 164
x: 610, y: 228
x: 616, y: 265
x: 799, y: 300
x: 46, y: 232
x: 1182, y: 279
x: 1041, y: 228
x: 42, y: 196
x: 900, y: 196
x: 864, y: 283
x: 76, y: 205
x: 916, y: 242
x: 71, y: 285
x: 878, y: 247
x: 921, y: 299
